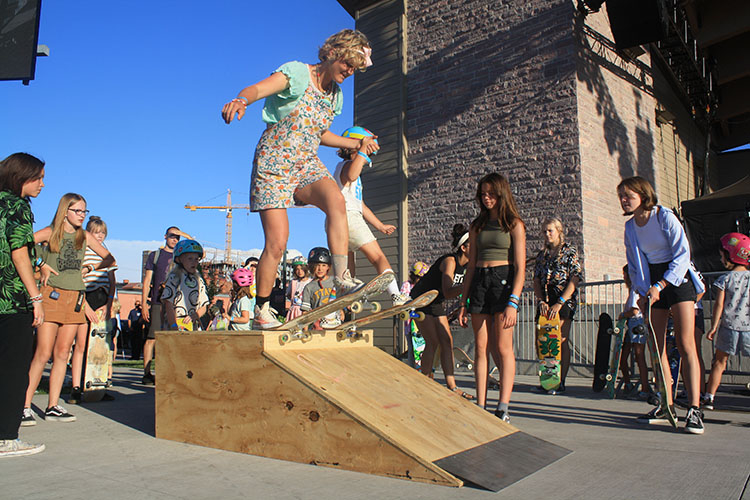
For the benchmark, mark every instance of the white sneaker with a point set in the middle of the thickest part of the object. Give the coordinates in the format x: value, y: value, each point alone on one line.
x: 18, y: 448
x: 400, y: 299
x: 346, y: 284
x: 330, y: 322
x: 265, y: 317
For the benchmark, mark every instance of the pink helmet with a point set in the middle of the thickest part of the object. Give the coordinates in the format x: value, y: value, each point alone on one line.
x: 243, y: 276
x: 737, y: 246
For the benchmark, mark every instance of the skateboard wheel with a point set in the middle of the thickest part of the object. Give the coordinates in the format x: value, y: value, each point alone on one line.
x: 403, y: 315
x: 375, y: 307
x: 469, y: 366
x: 420, y: 316
x: 340, y: 336
x: 608, y: 377
x: 356, y: 307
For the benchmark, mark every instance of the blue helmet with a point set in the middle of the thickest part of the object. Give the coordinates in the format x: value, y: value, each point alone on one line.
x: 359, y: 133
x: 187, y: 246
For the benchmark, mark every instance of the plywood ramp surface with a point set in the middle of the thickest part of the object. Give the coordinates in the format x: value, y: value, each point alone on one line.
x: 392, y: 399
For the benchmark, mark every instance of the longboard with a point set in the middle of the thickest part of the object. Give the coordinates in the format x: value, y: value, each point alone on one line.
x: 618, y: 332
x: 673, y: 355
x: 296, y: 328
x: 97, y: 361
x: 350, y: 328
x: 548, y: 351
x: 601, y: 361
x: 658, y: 368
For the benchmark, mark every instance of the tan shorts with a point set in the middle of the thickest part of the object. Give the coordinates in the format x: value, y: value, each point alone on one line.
x: 62, y: 310
x: 359, y: 231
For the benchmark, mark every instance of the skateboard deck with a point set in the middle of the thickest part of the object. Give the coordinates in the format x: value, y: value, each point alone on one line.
x: 658, y: 368
x: 403, y: 311
x: 462, y: 359
x: 185, y: 324
x: 97, y: 361
x: 618, y: 332
x: 601, y: 361
x: 673, y: 355
x: 296, y: 328
x: 548, y: 346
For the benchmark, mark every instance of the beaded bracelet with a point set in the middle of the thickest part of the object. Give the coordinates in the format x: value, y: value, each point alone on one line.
x: 36, y: 298
x: 367, y: 158
x: 242, y: 100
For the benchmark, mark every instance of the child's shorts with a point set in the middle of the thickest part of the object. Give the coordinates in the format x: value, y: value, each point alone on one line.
x: 733, y: 341
x: 359, y: 232
x: 636, y: 331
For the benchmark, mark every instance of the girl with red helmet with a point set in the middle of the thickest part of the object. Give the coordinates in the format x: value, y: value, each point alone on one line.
x: 731, y: 322
x: 243, y: 299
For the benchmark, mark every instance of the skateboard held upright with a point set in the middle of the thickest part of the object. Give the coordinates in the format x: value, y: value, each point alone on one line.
x: 98, y: 358
x: 601, y: 361
x: 548, y: 346
x: 618, y: 332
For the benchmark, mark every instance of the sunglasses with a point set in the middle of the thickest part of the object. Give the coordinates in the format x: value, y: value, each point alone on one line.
x: 173, y: 236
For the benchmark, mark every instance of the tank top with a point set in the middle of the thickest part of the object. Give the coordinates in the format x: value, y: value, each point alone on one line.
x: 433, y: 280
x: 68, y: 263
x: 494, y: 243
x: 352, y: 193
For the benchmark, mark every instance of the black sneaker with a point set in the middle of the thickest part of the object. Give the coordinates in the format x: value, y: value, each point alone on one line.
x: 75, y: 396
x: 58, y: 414
x: 655, y: 416
x: 148, y: 379
x: 694, y: 421
x: 502, y: 415
x: 28, y: 418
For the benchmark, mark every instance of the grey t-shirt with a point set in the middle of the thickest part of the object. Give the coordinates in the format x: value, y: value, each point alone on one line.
x: 736, y: 286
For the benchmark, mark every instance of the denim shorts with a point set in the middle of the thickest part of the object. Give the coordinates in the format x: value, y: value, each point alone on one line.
x: 490, y: 289
x: 733, y: 341
x: 672, y: 294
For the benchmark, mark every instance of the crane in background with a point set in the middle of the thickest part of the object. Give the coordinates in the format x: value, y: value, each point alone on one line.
x: 228, y: 208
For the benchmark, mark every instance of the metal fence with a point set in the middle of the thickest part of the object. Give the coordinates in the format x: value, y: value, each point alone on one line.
x: 594, y: 299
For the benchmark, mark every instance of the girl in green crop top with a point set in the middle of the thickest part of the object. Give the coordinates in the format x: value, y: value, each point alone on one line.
x: 493, y: 284
x: 66, y: 242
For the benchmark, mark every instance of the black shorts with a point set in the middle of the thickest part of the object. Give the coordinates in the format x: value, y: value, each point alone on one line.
x: 433, y: 309
x: 490, y: 289
x: 97, y: 298
x: 671, y: 295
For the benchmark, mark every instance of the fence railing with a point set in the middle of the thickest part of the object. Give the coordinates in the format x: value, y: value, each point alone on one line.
x: 595, y: 298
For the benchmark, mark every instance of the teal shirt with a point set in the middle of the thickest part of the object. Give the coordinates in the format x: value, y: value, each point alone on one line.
x: 16, y: 231
x: 279, y: 105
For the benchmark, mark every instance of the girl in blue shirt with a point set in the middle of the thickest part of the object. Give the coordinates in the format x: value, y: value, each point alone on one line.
x: 301, y: 102
x: 662, y: 275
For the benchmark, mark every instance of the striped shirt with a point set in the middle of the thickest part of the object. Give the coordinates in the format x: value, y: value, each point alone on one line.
x: 98, y: 278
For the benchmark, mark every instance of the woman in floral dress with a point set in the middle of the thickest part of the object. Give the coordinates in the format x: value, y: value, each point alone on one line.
x: 301, y: 101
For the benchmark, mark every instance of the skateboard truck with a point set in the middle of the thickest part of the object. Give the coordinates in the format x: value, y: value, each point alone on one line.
x: 294, y: 335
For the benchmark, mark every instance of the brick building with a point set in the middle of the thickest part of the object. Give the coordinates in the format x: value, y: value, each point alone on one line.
x: 534, y: 89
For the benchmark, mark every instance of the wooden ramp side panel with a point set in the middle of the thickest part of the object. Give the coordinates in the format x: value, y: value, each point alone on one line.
x: 396, y: 401
x: 218, y: 390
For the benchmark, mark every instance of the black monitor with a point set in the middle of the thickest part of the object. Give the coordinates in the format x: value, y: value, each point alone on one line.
x: 19, y: 34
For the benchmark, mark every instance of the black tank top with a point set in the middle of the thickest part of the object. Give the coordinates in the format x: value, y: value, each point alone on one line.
x: 433, y: 280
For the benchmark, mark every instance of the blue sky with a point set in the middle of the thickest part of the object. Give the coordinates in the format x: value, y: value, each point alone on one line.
x: 126, y: 112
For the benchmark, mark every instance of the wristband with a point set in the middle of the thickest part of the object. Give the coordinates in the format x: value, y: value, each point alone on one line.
x: 243, y: 100
x: 514, y: 296
x: 36, y: 298
x: 367, y: 158
x: 561, y: 301
x: 38, y: 262
x: 513, y: 305
x: 658, y: 286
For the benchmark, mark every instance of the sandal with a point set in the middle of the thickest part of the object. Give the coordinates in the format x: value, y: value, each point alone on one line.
x: 463, y: 394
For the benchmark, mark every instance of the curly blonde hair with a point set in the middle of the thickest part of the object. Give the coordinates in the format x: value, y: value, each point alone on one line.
x: 345, y: 45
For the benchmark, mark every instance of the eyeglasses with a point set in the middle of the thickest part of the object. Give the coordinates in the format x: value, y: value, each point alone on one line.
x: 79, y: 211
x: 173, y: 236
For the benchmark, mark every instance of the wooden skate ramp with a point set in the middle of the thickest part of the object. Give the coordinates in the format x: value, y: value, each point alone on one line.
x: 343, y: 404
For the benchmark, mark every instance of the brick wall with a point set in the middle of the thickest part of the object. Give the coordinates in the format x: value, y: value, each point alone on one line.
x: 616, y: 125
x: 491, y: 87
